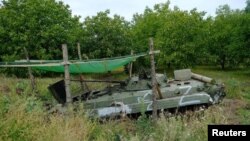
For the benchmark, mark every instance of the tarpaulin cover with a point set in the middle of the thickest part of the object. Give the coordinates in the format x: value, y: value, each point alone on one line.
x: 76, y: 66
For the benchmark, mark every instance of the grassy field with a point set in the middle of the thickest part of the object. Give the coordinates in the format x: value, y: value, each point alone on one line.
x: 23, y: 116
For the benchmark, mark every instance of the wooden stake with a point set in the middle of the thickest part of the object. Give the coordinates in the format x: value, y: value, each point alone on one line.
x: 79, y: 51
x: 83, y: 84
x: 131, y: 65
x: 66, y: 73
x: 32, y: 79
x: 80, y: 58
x: 153, y: 79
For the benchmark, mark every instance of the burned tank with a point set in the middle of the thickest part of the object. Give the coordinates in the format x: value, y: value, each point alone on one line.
x: 134, y: 94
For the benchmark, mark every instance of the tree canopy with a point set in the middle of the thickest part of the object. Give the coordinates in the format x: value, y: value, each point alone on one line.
x: 188, y: 38
x: 39, y: 25
x: 185, y: 38
x: 229, y: 37
x: 105, y: 36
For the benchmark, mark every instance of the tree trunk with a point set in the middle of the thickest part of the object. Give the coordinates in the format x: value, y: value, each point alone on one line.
x: 31, y: 76
x: 84, y: 86
x: 222, y: 62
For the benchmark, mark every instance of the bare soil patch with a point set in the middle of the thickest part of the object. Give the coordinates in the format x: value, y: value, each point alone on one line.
x: 230, y: 108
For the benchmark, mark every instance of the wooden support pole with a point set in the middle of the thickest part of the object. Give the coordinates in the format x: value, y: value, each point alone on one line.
x: 153, y: 79
x: 79, y: 51
x: 66, y: 73
x: 80, y: 58
x: 131, y: 65
x: 83, y: 84
x: 32, y: 79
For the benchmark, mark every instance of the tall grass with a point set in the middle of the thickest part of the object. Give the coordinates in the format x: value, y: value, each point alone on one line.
x: 237, y: 82
x: 27, y: 121
x: 23, y: 117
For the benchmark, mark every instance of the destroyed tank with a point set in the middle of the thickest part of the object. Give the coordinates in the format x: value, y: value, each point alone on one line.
x: 135, y: 93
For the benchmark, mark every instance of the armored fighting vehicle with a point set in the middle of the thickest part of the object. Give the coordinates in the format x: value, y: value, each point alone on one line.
x: 134, y: 94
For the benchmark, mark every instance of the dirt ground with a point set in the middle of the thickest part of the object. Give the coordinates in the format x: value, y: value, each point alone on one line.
x: 231, y: 107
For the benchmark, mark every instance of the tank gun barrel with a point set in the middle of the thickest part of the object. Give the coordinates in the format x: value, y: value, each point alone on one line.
x: 202, y: 78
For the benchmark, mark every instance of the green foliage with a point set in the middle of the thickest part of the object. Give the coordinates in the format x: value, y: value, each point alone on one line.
x: 180, y: 35
x: 39, y: 25
x: 182, y: 38
x: 185, y: 38
x: 228, y: 37
x: 244, y: 114
x: 144, y: 125
x: 105, y: 36
x: 16, y: 127
x: 4, y: 104
x: 234, y: 90
x: 147, y: 25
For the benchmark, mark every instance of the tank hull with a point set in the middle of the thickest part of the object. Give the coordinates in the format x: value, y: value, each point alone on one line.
x: 134, y: 95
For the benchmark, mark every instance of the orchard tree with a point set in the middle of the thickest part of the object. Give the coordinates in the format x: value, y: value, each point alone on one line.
x: 247, y: 32
x: 180, y: 35
x: 228, y: 37
x: 39, y: 25
x: 147, y: 25
x: 106, y: 36
x: 182, y: 38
